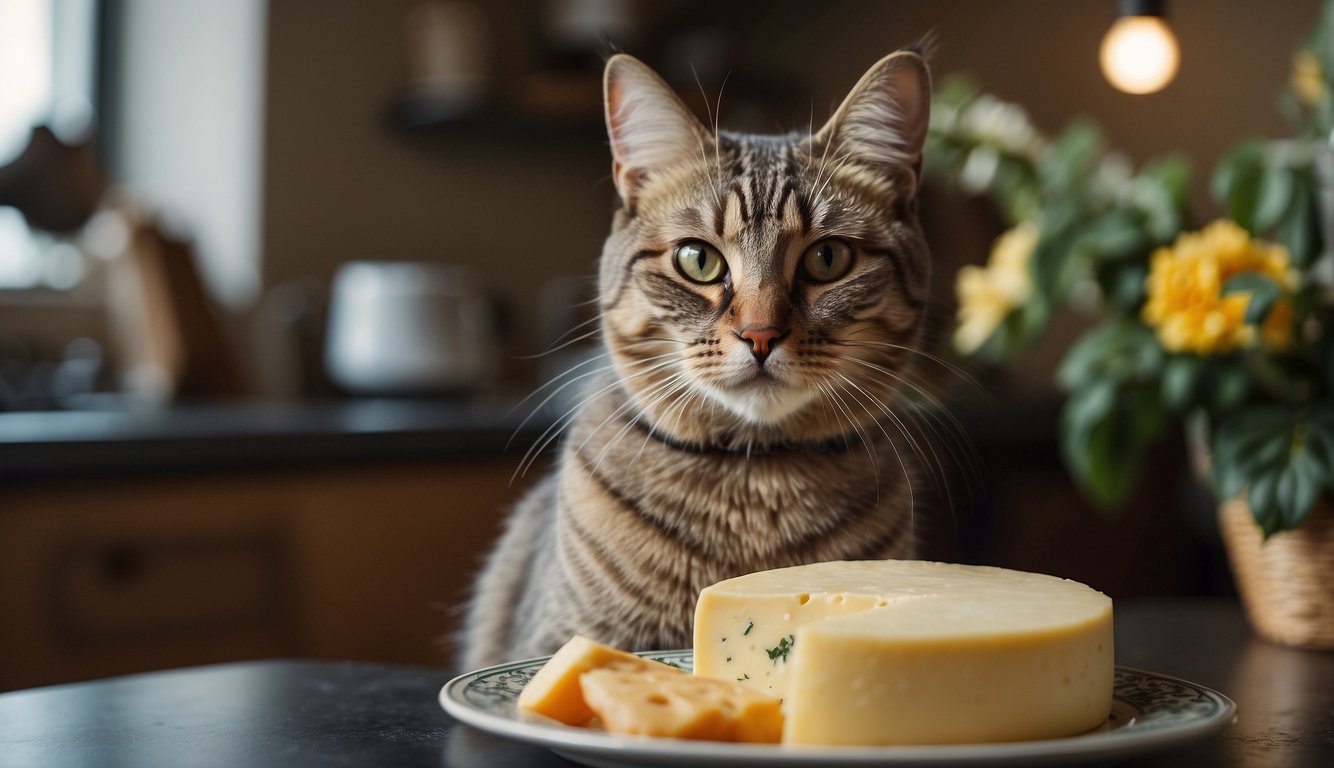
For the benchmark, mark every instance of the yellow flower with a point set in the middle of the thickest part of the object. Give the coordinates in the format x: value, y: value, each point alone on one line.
x: 1185, y: 302
x: 988, y: 294
x: 1308, y: 79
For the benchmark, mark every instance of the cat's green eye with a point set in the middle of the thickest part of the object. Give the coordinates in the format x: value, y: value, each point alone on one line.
x: 700, y: 262
x: 827, y: 260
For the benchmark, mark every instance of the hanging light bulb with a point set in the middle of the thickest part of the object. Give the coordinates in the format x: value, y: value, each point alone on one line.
x: 1139, y: 53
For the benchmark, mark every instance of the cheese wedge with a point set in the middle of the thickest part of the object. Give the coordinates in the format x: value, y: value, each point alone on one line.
x: 554, y: 691
x: 912, y: 652
x: 648, y: 703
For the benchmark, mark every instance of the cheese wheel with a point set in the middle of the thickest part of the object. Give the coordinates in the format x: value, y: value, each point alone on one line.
x: 554, y: 691
x: 913, y: 652
x: 648, y: 703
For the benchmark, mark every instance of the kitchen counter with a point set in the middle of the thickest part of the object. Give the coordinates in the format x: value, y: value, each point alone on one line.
x: 281, y: 713
x: 134, y: 539
x: 49, y: 444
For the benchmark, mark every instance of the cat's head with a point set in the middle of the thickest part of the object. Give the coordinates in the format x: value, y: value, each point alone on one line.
x: 773, y: 284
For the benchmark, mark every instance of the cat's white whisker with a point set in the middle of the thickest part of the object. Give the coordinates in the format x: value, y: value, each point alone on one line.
x: 810, y: 138
x: 703, y: 151
x: 866, y: 437
x: 717, y: 140
x: 897, y: 377
x: 938, y: 411
x: 857, y: 427
x: 951, y: 443
x: 840, y: 162
x: 658, y: 339
x: 569, y: 380
x: 824, y: 156
x: 552, y: 432
x: 903, y: 467
x: 938, y: 360
x: 680, y: 407
x: 540, y: 444
x: 673, y: 385
x: 907, y: 435
x: 567, y: 384
x: 629, y: 404
x: 859, y: 389
x: 560, y: 342
x: 940, y: 476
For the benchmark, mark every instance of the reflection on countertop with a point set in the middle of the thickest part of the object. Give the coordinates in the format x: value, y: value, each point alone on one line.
x: 46, y: 444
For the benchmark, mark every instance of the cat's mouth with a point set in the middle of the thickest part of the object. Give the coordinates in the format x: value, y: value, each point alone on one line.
x: 762, y: 396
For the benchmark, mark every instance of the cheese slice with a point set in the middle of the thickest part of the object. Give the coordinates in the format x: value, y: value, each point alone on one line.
x: 913, y: 652
x: 649, y: 703
x: 554, y: 691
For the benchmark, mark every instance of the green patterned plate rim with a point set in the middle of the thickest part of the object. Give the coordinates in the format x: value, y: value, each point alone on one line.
x: 1150, y: 712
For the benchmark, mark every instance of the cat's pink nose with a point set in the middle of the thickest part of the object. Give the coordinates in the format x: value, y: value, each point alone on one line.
x: 762, y: 340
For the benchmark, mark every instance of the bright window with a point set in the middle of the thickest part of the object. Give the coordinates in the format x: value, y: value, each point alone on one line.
x: 46, y: 68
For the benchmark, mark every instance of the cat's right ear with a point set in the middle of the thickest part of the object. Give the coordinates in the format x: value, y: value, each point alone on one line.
x: 882, y: 123
x: 649, y: 126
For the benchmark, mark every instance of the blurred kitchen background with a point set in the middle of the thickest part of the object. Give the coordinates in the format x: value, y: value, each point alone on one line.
x: 274, y: 276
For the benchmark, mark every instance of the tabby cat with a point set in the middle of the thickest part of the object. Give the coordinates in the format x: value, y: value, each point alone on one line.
x: 761, y: 298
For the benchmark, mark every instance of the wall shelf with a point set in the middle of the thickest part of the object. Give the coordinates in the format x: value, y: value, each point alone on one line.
x: 417, y: 114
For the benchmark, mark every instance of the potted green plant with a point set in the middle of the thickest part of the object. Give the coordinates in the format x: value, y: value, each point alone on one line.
x: 1226, y: 330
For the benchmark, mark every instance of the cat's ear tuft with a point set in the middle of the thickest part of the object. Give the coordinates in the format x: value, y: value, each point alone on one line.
x: 882, y: 123
x: 649, y: 126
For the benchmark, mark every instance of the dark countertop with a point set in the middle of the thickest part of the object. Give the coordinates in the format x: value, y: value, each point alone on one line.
x: 47, y: 444
x: 40, y: 445
x: 308, y: 713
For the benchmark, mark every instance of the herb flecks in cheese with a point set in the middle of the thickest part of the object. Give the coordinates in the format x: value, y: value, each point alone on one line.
x: 779, y: 651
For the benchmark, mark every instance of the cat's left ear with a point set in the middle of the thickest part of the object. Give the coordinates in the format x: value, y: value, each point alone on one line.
x: 650, y: 128
x: 882, y: 123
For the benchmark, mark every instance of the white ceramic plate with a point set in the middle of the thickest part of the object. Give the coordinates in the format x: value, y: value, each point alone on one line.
x: 1149, y: 712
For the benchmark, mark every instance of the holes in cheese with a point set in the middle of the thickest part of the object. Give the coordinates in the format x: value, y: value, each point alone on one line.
x: 676, y: 705
x: 554, y: 691
x: 913, y: 652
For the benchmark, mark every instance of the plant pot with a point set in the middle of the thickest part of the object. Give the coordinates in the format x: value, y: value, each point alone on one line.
x: 1287, y: 582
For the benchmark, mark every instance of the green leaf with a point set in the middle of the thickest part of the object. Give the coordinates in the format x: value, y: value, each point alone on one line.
x: 1298, y: 487
x: 1113, y: 461
x: 1146, y: 413
x: 1264, y: 292
x: 1099, y: 354
x: 1117, y: 234
x: 1280, y: 457
x: 955, y: 89
x: 1127, y: 286
x: 1263, y: 506
x: 1080, y: 363
x: 1230, y: 388
x: 1299, y: 228
x: 1236, y: 182
x: 1105, y: 431
x: 1277, y: 189
x: 1070, y: 158
x: 1114, y: 451
x: 1164, y: 212
x: 1090, y: 405
x: 1173, y: 173
x: 1180, y: 374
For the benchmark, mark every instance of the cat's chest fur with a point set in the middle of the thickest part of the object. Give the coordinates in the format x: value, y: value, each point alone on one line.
x: 694, y: 514
x: 730, y: 502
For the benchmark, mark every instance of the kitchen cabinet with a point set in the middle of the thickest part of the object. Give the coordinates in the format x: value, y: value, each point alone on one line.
x: 105, y: 573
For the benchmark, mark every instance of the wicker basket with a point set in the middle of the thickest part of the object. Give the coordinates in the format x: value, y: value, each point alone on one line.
x: 1286, y: 583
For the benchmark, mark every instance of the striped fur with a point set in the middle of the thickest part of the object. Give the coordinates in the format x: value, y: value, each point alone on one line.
x: 689, y: 461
